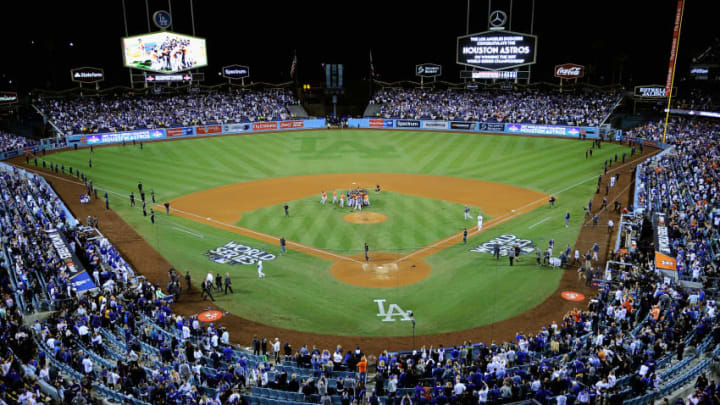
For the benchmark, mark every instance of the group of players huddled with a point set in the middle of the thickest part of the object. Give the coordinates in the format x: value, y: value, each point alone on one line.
x: 355, y: 198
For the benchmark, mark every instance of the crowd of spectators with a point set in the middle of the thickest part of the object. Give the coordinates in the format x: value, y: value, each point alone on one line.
x: 680, y: 129
x: 122, y: 341
x: 535, y: 106
x: 128, y: 112
x: 11, y: 142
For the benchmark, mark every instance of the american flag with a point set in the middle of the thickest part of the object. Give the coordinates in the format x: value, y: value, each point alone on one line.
x: 292, y: 67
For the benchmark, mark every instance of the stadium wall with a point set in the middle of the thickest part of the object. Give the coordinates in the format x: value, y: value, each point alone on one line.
x: 192, y: 131
x: 467, y: 126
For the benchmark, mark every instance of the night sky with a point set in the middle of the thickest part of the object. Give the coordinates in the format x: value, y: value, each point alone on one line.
x: 613, y: 38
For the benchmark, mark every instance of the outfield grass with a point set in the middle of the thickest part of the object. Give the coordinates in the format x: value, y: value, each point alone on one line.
x: 465, y: 289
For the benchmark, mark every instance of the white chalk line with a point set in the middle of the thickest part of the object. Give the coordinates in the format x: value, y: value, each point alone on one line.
x: 265, y: 235
x: 538, y: 223
x: 189, y: 232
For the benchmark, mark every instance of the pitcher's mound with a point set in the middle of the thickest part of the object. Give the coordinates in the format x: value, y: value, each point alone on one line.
x: 382, y: 271
x: 364, y: 217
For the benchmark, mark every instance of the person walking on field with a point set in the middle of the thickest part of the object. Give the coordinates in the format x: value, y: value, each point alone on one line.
x: 287, y: 210
x: 228, y: 284
x: 465, y: 237
x: 282, y: 245
x: 259, y: 269
x: 479, y: 222
x: 511, y: 255
x: 467, y: 212
x: 367, y: 249
x: 567, y: 219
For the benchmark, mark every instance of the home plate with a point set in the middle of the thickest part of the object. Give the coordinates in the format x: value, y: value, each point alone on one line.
x: 513, y: 210
x: 208, y: 218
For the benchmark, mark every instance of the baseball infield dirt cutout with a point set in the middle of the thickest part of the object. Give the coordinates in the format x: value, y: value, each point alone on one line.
x: 365, y: 218
x: 222, y: 207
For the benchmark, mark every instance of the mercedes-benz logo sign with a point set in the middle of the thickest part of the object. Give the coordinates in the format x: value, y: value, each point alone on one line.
x: 498, y: 18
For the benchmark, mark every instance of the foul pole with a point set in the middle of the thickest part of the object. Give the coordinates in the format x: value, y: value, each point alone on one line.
x: 673, y: 61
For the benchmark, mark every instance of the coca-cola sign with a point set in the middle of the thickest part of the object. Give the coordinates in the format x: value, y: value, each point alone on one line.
x: 87, y: 75
x: 569, y: 71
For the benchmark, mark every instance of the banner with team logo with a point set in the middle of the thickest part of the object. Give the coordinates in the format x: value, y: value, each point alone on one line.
x: 236, y: 253
x: 505, y: 243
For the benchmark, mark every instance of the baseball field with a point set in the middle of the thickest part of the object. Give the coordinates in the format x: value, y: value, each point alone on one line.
x: 227, y: 196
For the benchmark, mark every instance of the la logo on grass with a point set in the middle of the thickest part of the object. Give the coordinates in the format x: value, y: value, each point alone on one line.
x: 393, y: 311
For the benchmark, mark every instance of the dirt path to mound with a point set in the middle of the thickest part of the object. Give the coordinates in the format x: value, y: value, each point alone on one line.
x: 145, y: 260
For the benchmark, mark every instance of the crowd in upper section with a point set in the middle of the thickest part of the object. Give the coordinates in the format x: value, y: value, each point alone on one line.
x: 127, y: 112
x: 535, y: 106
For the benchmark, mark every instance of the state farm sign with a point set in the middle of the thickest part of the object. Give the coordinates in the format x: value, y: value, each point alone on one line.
x: 569, y: 71
x: 87, y: 75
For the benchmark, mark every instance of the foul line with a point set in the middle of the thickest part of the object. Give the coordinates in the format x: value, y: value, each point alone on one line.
x: 538, y: 223
x: 504, y: 218
x: 267, y: 236
x: 490, y: 223
x: 190, y: 232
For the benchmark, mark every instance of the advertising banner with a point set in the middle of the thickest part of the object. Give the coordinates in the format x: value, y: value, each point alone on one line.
x: 663, y: 251
x: 79, y: 278
x: 435, y: 124
x: 673, y: 48
x: 407, y: 123
x: 491, y: 126
x: 262, y: 126
x: 129, y: 136
x: 428, y: 70
x: 179, y: 77
x: 462, y: 125
x: 185, y: 131
x: 235, y: 72
x: 243, y: 127
x: 8, y: 97
x: 552, y: 130
x: 292, y: 124
x: 209, y: 129
x: 87, y: 75
x: 376, y: 123
x: 569, y: 71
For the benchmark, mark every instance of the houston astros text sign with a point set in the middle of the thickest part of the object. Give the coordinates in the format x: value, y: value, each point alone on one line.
x: 496, y: 50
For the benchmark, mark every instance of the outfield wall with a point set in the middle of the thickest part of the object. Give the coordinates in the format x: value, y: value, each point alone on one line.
x: 192, y: 131
x: 468, y: 126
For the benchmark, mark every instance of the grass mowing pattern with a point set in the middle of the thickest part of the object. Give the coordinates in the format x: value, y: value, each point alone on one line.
x: 465, y: 289
x: 412, y: 223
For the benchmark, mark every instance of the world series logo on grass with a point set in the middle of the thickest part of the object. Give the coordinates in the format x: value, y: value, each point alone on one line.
x: 506, y: 242
x: 235, y: 253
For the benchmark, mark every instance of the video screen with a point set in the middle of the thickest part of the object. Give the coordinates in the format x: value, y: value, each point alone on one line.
x: 164, y: 52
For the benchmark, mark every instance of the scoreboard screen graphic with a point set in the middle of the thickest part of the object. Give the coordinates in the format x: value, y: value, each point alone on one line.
x: 496, y: 50
x: 164, y: 52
